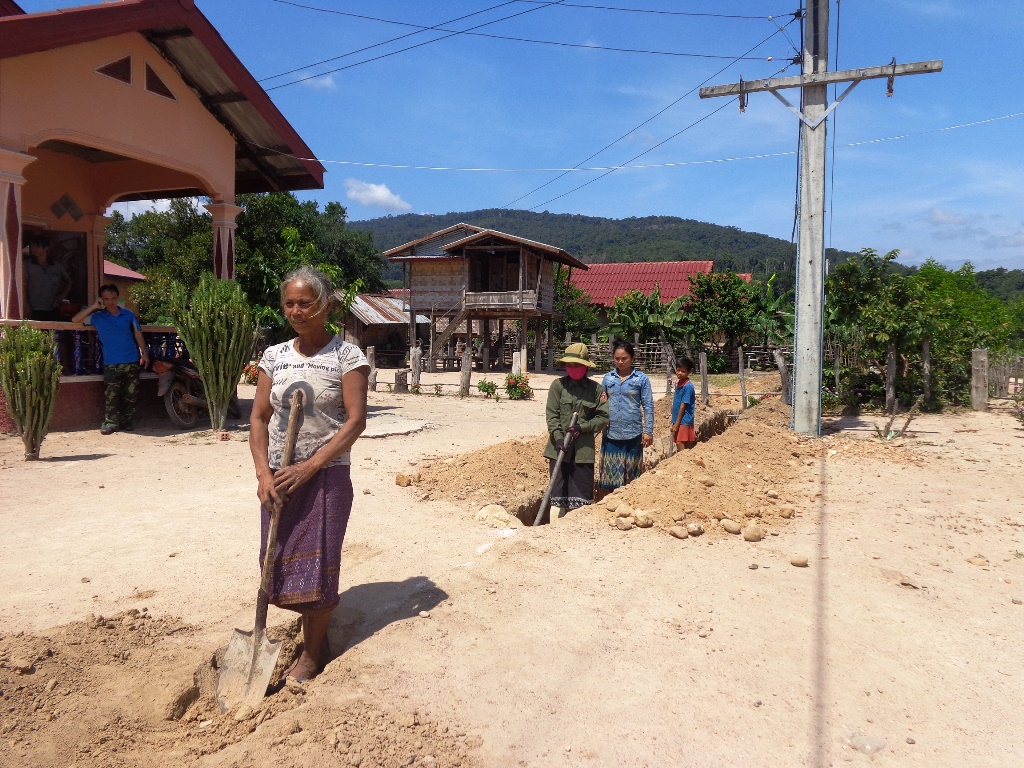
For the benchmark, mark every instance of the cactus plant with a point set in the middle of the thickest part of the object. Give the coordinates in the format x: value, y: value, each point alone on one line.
x: 216, y: 325
x: 30, y: 378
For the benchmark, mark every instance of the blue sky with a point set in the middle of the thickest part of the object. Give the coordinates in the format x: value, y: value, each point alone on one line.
x: 480, y: 102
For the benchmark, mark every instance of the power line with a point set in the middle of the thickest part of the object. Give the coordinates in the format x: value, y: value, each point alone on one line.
x: 586, y: 46
x: 646, y: 151
x: 411, y: 47
x: 612, y: 170
x: 377, y: 45
x: 646, y: 166
x: 666, y: 13
x: 641, y: 125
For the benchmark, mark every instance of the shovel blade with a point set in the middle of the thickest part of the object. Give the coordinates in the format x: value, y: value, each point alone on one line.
x: 245, y: 670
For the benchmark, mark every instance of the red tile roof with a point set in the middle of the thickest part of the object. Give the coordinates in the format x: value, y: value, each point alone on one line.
x: 110, y: 269
x: 604, y: 282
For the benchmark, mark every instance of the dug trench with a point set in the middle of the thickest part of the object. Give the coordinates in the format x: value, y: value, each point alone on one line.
x: 748, y: 476
x: 133, y: 690
x: 513, y: 474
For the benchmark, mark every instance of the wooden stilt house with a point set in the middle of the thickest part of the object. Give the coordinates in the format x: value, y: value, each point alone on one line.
x: 471, y: 282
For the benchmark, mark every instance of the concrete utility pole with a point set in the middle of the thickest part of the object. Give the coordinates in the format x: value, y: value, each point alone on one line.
x: 813, y: 83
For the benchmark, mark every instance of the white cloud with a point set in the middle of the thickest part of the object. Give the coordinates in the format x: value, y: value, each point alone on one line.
x: 131, y: 209
x: 374, y: 195
x: 325, y: 83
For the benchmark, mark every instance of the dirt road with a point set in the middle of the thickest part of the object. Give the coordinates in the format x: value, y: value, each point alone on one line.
x: 580, y: 645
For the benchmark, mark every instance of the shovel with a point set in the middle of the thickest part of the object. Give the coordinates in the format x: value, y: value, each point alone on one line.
x: 554, y: 475
x: 250, y: 657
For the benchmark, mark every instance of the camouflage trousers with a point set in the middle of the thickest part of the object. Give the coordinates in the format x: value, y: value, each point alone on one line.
x: 122, y: 382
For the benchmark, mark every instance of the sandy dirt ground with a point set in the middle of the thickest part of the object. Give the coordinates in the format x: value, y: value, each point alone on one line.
x: 128, y: 559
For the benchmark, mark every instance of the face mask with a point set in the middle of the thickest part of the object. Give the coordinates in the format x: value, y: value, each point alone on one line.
x: 576, y: 372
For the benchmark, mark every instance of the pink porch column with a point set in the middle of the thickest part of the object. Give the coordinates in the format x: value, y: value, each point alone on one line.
x: 224, y: 238
x: 97, y: 242
x: 11, y: 181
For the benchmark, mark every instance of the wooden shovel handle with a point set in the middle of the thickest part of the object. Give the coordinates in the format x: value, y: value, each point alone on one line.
x: 295, y: 412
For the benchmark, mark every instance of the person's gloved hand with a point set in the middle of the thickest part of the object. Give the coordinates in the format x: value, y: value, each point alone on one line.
x: 572, y: 433
x: 559, y: 446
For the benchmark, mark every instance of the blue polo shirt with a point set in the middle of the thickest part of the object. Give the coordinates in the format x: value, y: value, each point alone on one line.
x: 116, y: 334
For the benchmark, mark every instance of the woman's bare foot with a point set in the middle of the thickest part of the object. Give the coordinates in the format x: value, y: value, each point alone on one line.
x: 305, y: 668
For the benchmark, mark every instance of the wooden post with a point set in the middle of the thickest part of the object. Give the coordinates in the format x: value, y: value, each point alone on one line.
x: 705, y: 396
x: 669, y: 356
x: 524, y: 365
x: 780, y: 363
x: 501, y: 344
x: 371, y: 358
x: 979, y: 379
x: 402, y: 380
x: 467, y: 370
x: 743, y: 382
x: 551, y: 344
x: 538, y: 345
x: 485, y: 358
x: 926, y: 369
x: 415, y: 354
x: 412, y: 313
x: 890, y: 379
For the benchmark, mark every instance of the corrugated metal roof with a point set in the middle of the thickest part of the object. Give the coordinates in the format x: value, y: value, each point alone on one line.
x: 432, y: 244
x: 270, y: 154
x: 379, y: 309
x: 446, y: 243
x: 604, y: 282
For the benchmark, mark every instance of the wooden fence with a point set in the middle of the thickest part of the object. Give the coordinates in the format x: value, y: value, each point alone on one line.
x: 1005, y: 375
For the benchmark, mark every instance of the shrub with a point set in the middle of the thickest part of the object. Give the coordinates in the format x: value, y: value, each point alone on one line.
x: 487, y: 388
x: 438, y: 390
x: 216, y: 324
x: 30, y: 378
x: 251, y: 373
x: 517, y: 387
x: 415, y: 388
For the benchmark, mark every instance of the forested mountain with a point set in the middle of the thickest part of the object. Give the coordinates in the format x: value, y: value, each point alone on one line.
x: 595, y: 240
x: 1005, y: 284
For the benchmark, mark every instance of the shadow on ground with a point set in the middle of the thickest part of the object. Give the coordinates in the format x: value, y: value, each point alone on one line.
x: 365, y: 609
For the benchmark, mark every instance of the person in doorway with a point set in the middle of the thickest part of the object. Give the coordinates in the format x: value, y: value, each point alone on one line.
x: 124, y: 348
x: 46, y: 282
x: 316, y: 489
x: 631, y: 420
x: 683, y: 434
x: 573, y: 393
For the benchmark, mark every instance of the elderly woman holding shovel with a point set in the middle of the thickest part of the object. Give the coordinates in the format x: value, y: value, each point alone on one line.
x: 573, y: 394
x: 315, y: 489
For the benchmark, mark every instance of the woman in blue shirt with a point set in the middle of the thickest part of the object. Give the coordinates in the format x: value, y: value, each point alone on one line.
x: 631, y: 429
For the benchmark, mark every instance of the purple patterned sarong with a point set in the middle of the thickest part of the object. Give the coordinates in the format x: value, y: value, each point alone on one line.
x: 309, y: 538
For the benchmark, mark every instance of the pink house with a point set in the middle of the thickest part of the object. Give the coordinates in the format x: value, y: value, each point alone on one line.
x: 134, y: 100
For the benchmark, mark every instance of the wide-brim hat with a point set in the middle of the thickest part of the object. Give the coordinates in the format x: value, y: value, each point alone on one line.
x: 577, y: 354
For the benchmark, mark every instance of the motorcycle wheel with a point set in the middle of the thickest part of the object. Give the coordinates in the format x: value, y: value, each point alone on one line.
x: 182, y: 414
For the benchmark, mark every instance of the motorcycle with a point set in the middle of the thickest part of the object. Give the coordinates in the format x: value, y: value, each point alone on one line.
x: 182, y: 391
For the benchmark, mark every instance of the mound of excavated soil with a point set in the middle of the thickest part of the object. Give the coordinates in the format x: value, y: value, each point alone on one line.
x: 126, y: 692
x: 742, y: 475
x: 514, y: 473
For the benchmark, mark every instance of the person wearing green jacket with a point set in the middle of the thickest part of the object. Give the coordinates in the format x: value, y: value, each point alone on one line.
x: 574, y: 393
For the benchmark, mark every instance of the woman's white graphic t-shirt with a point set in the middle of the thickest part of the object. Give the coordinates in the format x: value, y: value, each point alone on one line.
x: 319, y: 376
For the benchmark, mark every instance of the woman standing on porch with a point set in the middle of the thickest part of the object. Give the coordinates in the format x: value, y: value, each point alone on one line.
x: 316, y: 488
x: 631, y: 429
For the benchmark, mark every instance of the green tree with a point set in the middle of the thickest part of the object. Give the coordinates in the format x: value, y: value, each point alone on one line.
x: 720, y: 303
x: 579, y: 316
